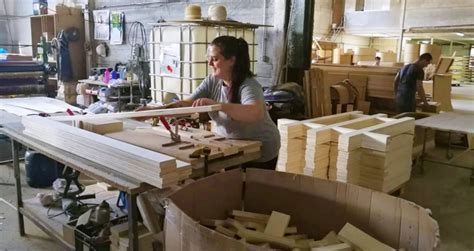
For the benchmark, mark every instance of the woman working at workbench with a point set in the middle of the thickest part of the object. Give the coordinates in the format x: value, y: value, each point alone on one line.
x: 231, y: 84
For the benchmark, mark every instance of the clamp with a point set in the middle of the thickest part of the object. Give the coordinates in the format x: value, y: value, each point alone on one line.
x: 202, y: 151
x: 174, y: 135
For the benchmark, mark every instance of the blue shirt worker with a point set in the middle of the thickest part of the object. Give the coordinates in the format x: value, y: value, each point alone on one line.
x: 408, y: 82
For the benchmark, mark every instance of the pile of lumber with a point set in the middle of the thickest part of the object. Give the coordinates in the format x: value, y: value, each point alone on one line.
x: 292, y: 149
x: 296, y: 155
x: 273, y: 231
x: 124, y: 159
x: 371, y: 82
x: 370, y: 151
x: 119, y: 238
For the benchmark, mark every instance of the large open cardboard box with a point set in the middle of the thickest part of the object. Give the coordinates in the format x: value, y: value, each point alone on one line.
x: 316, y: 207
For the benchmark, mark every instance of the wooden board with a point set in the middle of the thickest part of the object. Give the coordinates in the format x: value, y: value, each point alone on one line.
x: 362, y: 240
x: 102, y: 126
x: 277, y: 224
x: 150, y: 113
x: 442, y: 91
x: 443, y: 65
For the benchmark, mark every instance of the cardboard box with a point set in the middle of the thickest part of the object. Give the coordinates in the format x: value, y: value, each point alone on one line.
x: 316, y: 207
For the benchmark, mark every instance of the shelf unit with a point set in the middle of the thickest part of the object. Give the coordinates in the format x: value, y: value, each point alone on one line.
x: 52, y: 24
x: 126, y: 84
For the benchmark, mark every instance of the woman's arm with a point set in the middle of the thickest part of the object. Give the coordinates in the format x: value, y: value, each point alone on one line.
x: 250, y: 112
x: 177, y: 104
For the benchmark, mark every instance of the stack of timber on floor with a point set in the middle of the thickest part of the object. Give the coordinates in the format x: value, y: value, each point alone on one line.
x: 141, y: 164
x: 374, y: 83
x: 371, y: 151
x: 293, y: 140
x: 323, y: 142
x: 292, y: 154
x: 380, y: 154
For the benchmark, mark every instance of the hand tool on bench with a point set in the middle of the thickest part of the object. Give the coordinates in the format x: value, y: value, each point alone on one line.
x: 175, y: 138
x: 203, y: 151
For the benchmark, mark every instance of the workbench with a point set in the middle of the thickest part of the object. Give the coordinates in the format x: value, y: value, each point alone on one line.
x: 133, y: 187
x: 101, y: 173
x: 452, y: 123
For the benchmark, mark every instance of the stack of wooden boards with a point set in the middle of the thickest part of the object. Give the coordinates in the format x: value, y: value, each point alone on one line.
x: 119, y: 238
x: 370, y: 81
x: 273, y: 231
x: 131, y: 161
x: 370, y: 151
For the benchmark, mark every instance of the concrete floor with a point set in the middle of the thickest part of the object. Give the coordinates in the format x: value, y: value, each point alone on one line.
x: 36, y: 240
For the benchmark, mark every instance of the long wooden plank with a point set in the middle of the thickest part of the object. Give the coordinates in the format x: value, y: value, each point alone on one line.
x: 150, y: 113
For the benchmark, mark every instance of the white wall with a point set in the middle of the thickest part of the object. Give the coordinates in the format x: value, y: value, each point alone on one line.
x: 240, y: 10
x: 384, y: 44
x: 351, y: 42
x: 15, y: 22
x: 419, y: 13
x: 322, y: 17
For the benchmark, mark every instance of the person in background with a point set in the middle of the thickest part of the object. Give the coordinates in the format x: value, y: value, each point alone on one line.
x: 244, y: 114
x: 377, y: 61
x: 408, y: 82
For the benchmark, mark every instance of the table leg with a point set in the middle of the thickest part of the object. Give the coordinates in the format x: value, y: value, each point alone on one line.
x: 472, y: 176
x: 132, y: 222
x: 16, y: 170
x: 423, y: 151
x: 449, y: 154
x: 119, y: 102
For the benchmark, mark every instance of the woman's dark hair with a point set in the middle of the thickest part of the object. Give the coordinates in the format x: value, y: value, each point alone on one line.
x: 238, y: 48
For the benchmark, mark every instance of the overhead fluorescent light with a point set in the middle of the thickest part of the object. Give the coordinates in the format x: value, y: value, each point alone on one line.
x: 459, y: 34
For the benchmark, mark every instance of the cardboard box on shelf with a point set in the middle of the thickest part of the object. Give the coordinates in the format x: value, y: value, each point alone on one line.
x: 316, y: 207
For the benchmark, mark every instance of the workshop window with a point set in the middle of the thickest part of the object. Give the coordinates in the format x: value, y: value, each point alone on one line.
x: 369, y: 5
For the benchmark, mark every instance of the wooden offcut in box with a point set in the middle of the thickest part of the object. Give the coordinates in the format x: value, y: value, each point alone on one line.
x: 316, y: 207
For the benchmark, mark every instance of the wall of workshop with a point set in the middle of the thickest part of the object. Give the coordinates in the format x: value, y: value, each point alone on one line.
x: 384, y: 44
x: 352, y: 42
x: 420, y: 13
x: 15, y: 16
x: 461, y: 50
x: 15, y: 22
x: 322, y: 18
x: 240, y: 10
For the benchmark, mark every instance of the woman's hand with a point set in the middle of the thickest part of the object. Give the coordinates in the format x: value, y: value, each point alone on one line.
x: 203, y: 102
x: 142, y: 108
